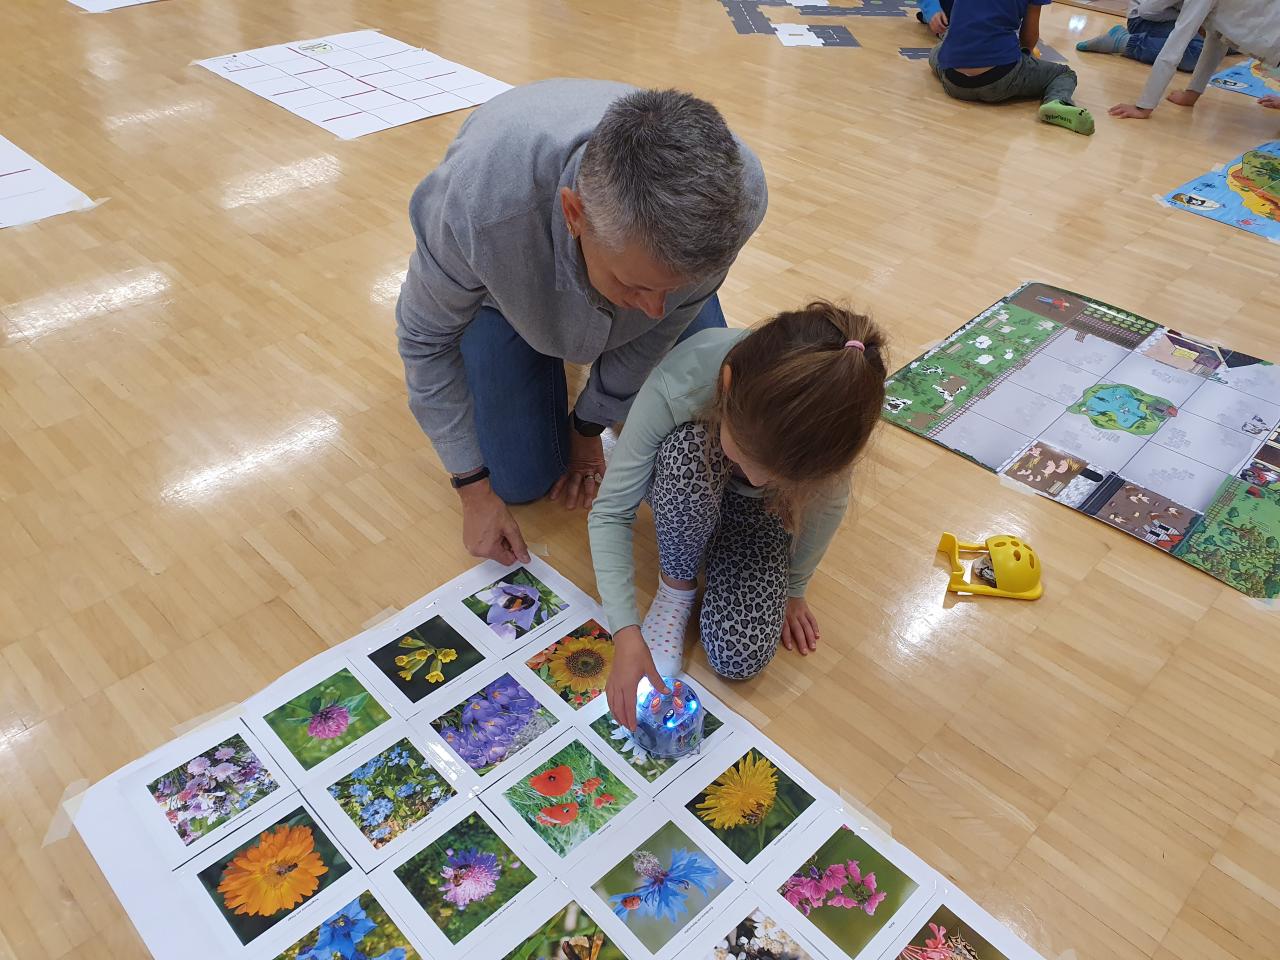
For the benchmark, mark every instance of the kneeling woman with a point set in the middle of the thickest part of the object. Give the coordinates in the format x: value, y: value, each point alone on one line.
x: 743, y: 442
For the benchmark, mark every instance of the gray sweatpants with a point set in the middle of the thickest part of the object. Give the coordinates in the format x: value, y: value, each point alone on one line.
x: 1031, y: 79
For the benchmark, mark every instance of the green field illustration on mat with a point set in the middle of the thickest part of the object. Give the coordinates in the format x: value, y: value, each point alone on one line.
x: 1238, y: 540
x: 1142, y: 427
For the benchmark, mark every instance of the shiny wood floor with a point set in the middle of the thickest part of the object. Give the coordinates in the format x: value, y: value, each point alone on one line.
x: 208, y: 472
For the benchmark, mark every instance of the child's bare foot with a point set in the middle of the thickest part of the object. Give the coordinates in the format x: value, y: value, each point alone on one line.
x: 1068, y: 115
x: 1184, y: 98
x: 1129, y: 111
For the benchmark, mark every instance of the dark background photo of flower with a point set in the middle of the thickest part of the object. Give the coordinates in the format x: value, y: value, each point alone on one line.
x: 750, y: 804
x: 570, y: 935
x: 389, y: 793
x: 362, y: 929
x: 270, y: 875
x: 319, y: 722
x: 516, y: 604
x: 426, y: 658
x: 464, y: 877
x: 848, y: 890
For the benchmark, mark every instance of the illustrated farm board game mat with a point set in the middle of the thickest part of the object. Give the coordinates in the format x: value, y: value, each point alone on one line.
x: 449, y: 784
x: 1167, y: 437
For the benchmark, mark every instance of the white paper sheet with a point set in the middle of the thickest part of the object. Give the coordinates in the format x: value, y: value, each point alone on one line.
x: 356, y: 83
x: 30, y: 191
x: 156, y: 877
x: 102, y: 6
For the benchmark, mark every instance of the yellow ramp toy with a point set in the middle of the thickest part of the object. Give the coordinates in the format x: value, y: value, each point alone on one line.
x: 1008, y: 567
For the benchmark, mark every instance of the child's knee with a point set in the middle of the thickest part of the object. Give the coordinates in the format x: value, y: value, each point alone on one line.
x: 739, y: 659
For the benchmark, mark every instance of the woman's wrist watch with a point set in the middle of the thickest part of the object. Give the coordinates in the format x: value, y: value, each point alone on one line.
x: 584, y: 428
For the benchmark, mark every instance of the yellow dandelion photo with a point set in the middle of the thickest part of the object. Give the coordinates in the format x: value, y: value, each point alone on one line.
x: 750, y: 804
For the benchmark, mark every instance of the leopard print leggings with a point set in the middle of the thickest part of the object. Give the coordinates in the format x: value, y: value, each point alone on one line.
x: 745, y: 549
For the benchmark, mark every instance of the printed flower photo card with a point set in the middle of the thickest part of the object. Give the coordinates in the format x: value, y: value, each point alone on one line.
x: 360, y: 930
x: 660, y: 887
x: 567, y: 797
x: 417, y: 663
x: 315, y: 714
x: 747, y: 930
x: 554, y: 926
x: 845, y: 887
x: 197, y: 789
x: 264, y: 872
x: 743, y: 797
x: 459, y: 878
x: 376, y: 798
x: 576, y: 666
x: 501, y: 712
x: 516, y: 604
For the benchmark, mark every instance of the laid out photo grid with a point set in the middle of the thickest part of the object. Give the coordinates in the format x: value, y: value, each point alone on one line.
x: 450, y: 784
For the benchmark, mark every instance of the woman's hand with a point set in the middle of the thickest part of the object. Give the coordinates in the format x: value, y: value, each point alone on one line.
x: 800, y: 629
x: 632, y: 662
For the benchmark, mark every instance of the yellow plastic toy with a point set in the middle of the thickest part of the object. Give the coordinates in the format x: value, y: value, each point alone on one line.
x: 1010, y: 568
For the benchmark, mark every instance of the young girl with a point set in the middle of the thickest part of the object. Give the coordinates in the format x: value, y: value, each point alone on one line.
x: 743, y: 442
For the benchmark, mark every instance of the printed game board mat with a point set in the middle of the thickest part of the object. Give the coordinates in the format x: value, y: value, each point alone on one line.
x: 1253, y: 78
x: 1162, y: 434
x: 1245, y: 193
x: 450, y: 785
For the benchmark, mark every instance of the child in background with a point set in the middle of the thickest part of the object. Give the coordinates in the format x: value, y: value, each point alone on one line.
x: 1143, y: 37
x: 743, y: 442
x: 1253, y: 26
x: 986, y: 57
x: 935, y: 14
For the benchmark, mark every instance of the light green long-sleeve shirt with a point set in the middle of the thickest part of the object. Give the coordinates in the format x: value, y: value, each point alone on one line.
x: 679, y: 388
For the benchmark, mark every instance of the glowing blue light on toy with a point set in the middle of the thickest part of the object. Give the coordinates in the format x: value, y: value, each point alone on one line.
x: 668, y: 725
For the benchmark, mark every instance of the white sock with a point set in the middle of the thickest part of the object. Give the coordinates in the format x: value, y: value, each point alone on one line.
x: 664, y: 626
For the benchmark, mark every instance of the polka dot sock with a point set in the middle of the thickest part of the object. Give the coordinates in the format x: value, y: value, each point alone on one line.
x: 664, y: 626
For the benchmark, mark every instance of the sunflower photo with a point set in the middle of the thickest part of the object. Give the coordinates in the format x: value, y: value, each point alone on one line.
x: 265, y: 879
x: 389, y: 793
x: 945, y: 936
x: 570, y: 935
x: 758, y: 937
x: 464, y: 877
x: 662, y: 886
x: 848, y: 890
x: 319, y: 722
x: 515, y: 605
x: 212, y: 788
x: 750, y: 804
x: 621, y: 741
x: 577, y: 665
x: 426, y: 658
x: 361, y: 930
x: 493, y: 723
x: 568, y: 797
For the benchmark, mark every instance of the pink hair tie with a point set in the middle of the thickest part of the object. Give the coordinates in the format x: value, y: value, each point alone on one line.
x: 856, y: 344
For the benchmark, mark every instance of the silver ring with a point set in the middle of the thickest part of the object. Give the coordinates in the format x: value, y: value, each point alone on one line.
x: 598, y: 478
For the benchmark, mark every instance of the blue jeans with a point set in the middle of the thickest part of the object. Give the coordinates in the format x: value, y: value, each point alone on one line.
x: 521, y: 401
x: 1146, y: 40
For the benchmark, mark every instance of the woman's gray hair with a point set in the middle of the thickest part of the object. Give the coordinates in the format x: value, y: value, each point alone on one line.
x: 663, y: 170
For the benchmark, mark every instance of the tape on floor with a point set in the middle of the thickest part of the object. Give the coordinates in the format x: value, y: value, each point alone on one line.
x: 64, y: 816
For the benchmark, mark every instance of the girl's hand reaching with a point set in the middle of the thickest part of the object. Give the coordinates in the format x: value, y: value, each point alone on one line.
x: 632, y: 662
x: 800, y: 628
